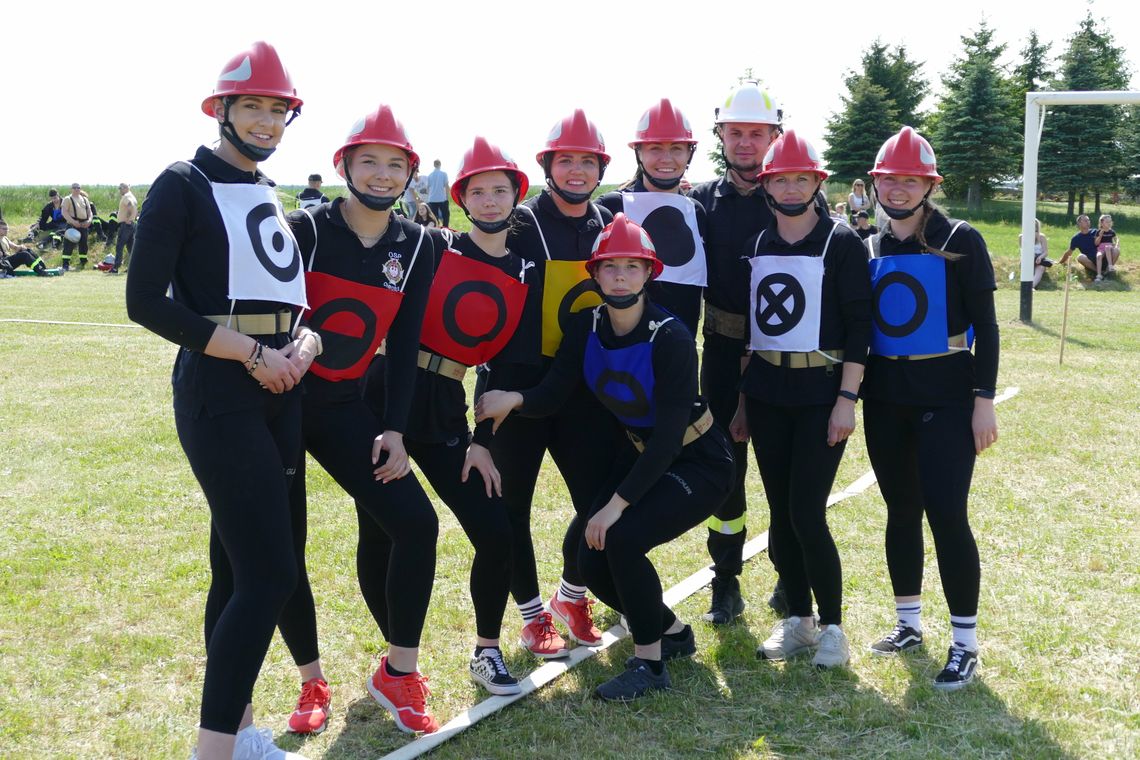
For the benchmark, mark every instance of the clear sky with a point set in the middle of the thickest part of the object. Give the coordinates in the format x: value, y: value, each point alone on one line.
x: 104, y: 93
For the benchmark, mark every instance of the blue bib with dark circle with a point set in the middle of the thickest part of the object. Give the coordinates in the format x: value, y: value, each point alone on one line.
x: 908, y: 305
x: 622, y: 379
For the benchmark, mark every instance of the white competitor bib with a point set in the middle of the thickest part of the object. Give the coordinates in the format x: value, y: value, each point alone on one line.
x: 265, y: 260
x: 671, y: 221
x: 787, y: 297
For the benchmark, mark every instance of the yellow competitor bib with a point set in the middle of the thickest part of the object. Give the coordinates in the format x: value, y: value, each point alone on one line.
x: 567, y: 288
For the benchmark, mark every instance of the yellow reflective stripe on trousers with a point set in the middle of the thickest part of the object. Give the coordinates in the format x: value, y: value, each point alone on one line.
x: 727, y: 527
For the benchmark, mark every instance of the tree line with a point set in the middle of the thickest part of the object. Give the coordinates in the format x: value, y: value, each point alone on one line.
x: 977, y: 123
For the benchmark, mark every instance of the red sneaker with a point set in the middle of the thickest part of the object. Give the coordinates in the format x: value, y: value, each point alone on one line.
x: 313, y: 708
x: 577, y: 617
x: 540, y: 637
x: 403, y: 696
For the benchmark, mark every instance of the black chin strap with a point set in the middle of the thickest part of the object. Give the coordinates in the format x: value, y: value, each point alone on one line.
x: 374, y: 202
x: 572, y: 198
x: 664, y: 184
x: 252, y: 152
x: 622, y: 302
x: 899, y: 214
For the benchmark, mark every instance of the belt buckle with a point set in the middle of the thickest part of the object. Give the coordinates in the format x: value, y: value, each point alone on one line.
x: 433, y: 363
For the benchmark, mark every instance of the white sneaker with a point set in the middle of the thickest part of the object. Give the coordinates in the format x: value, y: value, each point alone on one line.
x: 255, y: 743
x: 833, y: 649
x: 790, y: 637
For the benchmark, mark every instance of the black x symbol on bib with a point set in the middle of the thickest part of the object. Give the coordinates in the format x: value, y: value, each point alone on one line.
x: 770, y: 304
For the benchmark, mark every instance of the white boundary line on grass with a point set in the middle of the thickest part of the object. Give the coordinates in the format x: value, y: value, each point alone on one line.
x: 83, y: 324
x: 548, y: 672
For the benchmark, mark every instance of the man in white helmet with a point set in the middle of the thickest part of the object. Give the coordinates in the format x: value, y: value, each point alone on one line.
x: 747, y: 124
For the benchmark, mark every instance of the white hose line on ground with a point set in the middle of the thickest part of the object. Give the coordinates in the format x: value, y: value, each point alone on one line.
x: 83, y: 324
x: 546, y: 673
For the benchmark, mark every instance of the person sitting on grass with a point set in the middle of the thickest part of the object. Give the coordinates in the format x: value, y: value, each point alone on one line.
x: 1085, y: 242
x: 1040, y: 253
x: 13, y: 255
x: 1107, y: 247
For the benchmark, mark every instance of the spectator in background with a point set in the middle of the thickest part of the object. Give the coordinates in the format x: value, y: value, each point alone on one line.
x: 13, y: 255
x: 863, y: 227
x: 128, y: 212
x: 424, y: 216
x: 312, y: 195
x: 77, y: 213
x: 437, y: 189
x: 1107, y: 247
x: 51, y: 217
x: 857, y: 199
x: 841, y: 214
x: 1085, y: 242
x: 1040, y: 249
x: 411, y: 199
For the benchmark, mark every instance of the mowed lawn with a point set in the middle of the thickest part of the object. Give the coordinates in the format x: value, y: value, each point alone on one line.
x: 103, y: 575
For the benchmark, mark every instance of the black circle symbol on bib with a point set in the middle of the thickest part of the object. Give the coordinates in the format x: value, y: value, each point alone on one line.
x: 671, y: 236
x: 451, y: 325
x: 635, y: 407
x: 567, y: 303
x: 921, y: 304
x: 278, y: 241
x: 779, y: 313
x: 342, y: 350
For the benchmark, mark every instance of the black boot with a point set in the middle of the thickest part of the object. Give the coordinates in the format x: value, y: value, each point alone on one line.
x: 727, y: 603
x: 778, y: 601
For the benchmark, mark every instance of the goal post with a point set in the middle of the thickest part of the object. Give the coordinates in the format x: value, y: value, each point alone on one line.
x: 1035, y: 104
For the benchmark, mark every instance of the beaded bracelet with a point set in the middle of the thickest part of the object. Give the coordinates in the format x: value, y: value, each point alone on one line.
x: 254, y: 358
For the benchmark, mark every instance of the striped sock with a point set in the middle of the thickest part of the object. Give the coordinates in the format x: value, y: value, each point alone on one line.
x: 568, y: 592
x: 531, y: 609
x: 910, y: 614
x: 965, y: 631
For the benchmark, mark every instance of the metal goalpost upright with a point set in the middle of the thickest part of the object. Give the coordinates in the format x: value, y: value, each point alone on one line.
x: 1035, y: 104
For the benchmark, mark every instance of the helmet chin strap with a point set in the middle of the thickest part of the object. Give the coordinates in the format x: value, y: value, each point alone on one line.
x: 572, y: 198
x: 622, y: 302
x: 254, y: 153
x: 904, y: 213
x: 492, y: 227
x: 374, y: 202
x: 663, y: 184
x: 790, y: 209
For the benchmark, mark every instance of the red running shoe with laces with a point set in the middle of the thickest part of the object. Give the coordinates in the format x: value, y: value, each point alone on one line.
x: 540, y: 637
x: 313, y: 708
x: 578, y: 618
x: 404, y: 697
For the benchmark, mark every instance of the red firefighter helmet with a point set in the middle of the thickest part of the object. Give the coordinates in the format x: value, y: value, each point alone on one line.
x: 907, y: 153
x: 381, y: 127
x: 663, y: 123
x: 575, y: 133
x: 257, y: 71
x: 485, y: 157
x: 791, y: 153
x: 624, y: 239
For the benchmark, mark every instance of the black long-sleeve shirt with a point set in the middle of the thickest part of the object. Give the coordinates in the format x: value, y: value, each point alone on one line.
x: 845, y: 315
x: 181, y: 243
x: 341, y: 254
x: 677, y: 403
x: 970, y: 285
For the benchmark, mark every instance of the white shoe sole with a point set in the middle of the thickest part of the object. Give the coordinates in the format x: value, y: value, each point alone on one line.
x: 953, y: 685
x: 553, y: 656
x: 780, y: 656
x: 496, y: 689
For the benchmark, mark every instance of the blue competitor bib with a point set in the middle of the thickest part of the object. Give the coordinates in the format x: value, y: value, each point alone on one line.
x: 908, y: 305
x: 622, y: 378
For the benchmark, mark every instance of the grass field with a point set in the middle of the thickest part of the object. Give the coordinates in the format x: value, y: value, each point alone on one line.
x: 103, y: 535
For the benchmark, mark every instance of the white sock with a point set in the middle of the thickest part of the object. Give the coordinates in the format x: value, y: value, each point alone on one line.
x: 531, y: 609
x: 910, y: 614
x: 568, y: 592
x: 965, y: 631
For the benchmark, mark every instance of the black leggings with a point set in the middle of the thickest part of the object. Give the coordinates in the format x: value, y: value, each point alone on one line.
x: 621, y: 575
x: 798, y: 469
x: 584, y: 441
x: 240, y: 460
x: 720, y: 380
x: 924, y: 460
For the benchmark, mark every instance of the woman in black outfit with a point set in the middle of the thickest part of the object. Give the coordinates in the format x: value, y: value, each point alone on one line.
x: 641, y: 363
x: 555, y: 231
x: 810, y: 323
x: 475, y: 304
x: 213, y: 231
x: 929, y: 400
x: 369, y: 272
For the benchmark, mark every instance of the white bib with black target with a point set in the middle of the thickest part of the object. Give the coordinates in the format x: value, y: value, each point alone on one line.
x: 787, y: 296
x: 671, y: 223
x: 264, y: 258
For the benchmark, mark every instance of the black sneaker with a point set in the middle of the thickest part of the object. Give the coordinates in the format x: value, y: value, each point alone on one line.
x: 489, y: 671
x: 961, y: 664
x: 902, y: 638
x: 727, y: 604
x: 637, y: 681
x: 778, y: 601
x: 675, y: 649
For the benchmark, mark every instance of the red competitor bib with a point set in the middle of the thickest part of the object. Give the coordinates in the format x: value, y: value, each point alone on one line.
x: 352, y: 319
x: 472, y: 311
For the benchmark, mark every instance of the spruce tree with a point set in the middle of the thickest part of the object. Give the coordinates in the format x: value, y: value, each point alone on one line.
x: 855, y: 134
